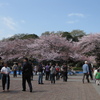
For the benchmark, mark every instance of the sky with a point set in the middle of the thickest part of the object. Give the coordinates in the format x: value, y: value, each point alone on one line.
x: 38, y: 16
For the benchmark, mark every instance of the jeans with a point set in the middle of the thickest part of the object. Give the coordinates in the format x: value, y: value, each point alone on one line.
x: 15, y: 74
x: 40, y: 79
x: 52, y: 78
x: 87, y: 77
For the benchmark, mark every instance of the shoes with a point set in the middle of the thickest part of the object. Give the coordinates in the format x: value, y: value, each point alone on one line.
x: 40, y: 83
x: 23, y: 90
x: 30, y: 90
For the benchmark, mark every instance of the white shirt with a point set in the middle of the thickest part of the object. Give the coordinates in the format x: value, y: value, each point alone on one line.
x: 5, y: 70
x: 95, y: 71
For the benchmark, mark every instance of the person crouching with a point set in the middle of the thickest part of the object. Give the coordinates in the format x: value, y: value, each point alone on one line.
x: 5, y: 77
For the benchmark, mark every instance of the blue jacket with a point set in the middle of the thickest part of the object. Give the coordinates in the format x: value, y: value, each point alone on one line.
x: 85, y: 68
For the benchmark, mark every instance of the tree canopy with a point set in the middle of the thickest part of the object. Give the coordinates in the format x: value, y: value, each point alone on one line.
x: 53, y: 46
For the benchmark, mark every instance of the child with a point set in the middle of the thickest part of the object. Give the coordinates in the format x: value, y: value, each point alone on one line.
x: 97, y: 77
x: 5, y: 77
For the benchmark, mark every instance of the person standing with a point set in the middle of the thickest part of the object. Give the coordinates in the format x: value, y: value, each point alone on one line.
x: 47, y: 70
x: 85, y: 68
x: 14, y: 68
x: 35, y: 70
x: 5, y: 77
x: 57, y: 72
x: 26, y: 74
x: 40, y: 71
x: 52, y: 74
x: 19, y: 68
x: 65, y: 73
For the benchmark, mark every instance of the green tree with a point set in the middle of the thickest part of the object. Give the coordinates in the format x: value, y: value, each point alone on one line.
x: 67, y: 35
x: 76, y: 34
x: 23, y: 36
x: 47, y: 33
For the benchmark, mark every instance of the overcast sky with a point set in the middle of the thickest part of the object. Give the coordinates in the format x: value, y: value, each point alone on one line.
x: 38, y: 16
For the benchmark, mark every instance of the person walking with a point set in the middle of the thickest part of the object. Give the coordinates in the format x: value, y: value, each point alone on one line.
x: 85, y: 68
x: 26, y: 74
x: 5, y: 77
x: 40, y: 71
x: 15, y: 68
x: 90, y: 71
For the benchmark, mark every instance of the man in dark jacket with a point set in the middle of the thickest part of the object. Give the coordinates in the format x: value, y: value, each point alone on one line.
x: 26, y: 74
x: 65, y: 71
x: 40, y: 71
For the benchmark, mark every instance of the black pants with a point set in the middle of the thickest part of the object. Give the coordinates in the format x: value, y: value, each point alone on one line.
x: 28, y: 79
x: 91, y: 76
x: 5, y: 80
x: 47, y: 75
x: 15, y: 74
x: 52, y: 78
x: 65, y: 77
x: 57, y: 76
x: 87, y: 77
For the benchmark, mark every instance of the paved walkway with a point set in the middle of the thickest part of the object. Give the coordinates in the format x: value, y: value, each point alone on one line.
x: 74, y: 89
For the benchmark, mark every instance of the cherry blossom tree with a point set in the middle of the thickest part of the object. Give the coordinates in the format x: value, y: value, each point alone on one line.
x: 52, y: 47
x: 90, y: 46
x: 14, y: 49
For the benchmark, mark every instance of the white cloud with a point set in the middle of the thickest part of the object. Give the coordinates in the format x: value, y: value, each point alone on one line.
x: 9, y: 23
x: 76, y: 14
x: 72, y: 22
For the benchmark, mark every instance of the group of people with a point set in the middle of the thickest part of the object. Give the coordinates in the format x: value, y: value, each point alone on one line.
x: 87, y: 71
x: 17, y: 67
x: 52, y: 73
x: 26, y: 75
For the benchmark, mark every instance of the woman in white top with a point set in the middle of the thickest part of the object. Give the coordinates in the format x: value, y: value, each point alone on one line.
x: 5, y: 76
